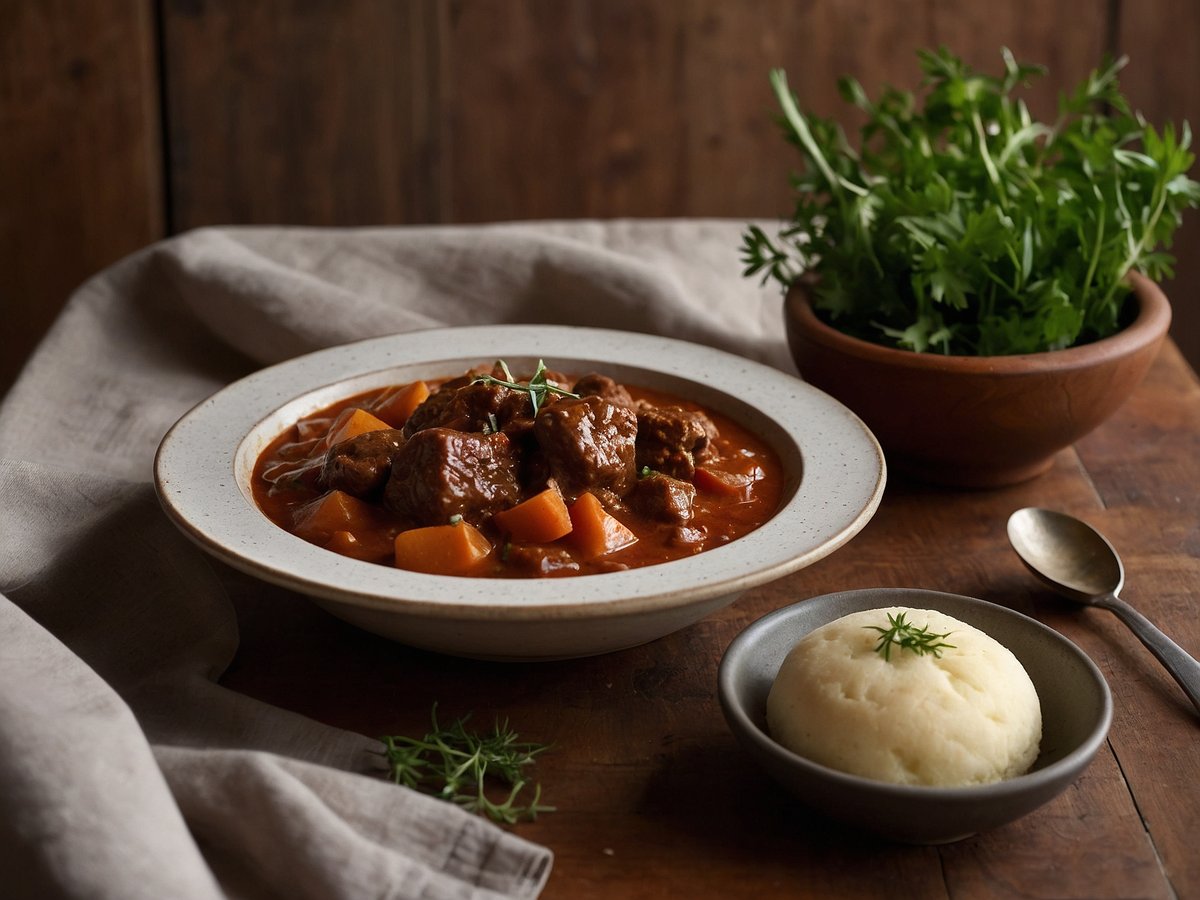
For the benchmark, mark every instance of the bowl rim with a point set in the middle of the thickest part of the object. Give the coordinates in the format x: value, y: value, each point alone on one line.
x: 1033, y: 781
x: 1148, y: 327
x: 195, y: 476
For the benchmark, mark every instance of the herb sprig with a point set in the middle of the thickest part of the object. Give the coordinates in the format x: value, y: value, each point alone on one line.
x: 903, y: 634
x: 962, y: 225
x: 458, y: 766
x: 538, y: 387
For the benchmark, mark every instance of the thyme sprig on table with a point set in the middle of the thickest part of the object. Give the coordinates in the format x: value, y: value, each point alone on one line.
x: 458, y: 766
x: 903, y: 634
x: 538, y: 387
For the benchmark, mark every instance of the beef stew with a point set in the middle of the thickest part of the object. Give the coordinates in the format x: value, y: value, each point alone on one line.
x: 489, y: 475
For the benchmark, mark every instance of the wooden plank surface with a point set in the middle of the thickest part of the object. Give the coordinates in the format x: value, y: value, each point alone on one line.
x: 624, y: 108
x: 1162, y: 40
x: 80, y: 175
x: 302, y: 113
x: 1145, y: 466
x: 655, y: 799
x: 366, y: 112
x: 370, y: 112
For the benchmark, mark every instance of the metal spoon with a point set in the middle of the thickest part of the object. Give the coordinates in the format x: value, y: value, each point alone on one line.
x: 1076, y: 561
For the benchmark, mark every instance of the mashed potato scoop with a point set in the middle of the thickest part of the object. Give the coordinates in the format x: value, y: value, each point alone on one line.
x: 908, y: 696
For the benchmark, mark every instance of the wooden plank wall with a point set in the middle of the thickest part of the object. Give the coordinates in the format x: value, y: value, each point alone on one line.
x: 122, y: 122
x: 81, y: 179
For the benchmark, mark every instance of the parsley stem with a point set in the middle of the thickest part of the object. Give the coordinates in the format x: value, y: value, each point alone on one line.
x: 799, y: 125
x: 988, y: 164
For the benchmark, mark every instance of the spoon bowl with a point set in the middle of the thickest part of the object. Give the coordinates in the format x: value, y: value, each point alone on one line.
x: 1066, y: 554
x: 1078, y: 562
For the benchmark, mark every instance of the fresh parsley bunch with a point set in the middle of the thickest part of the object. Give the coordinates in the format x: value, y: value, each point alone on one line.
x: 965, y: 227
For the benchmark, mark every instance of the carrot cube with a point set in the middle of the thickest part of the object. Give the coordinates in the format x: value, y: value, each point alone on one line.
x: 594, y: 531
x: 397, y: 405
x: 332, y: 512
x: 733, y: 485
x: 458, y: 549
x: 359, y: 421
x: 345, y: 543
x: 539, y: 520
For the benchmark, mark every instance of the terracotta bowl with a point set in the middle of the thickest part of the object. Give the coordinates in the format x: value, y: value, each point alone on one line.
x: 968, y: 421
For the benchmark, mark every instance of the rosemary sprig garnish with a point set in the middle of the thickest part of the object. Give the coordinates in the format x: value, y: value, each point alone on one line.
x: 538, y: 386
x: 907, y: 636
x: 457, y: 765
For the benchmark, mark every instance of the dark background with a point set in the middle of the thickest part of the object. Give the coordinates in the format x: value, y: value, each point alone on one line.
x: 124, y: 121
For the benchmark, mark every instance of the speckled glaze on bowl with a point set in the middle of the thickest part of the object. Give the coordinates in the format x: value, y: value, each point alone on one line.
x: 833, y: 468
x: 1076, y: 713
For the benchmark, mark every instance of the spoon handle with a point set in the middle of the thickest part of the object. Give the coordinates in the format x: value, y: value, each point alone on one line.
x: 1182, y: 666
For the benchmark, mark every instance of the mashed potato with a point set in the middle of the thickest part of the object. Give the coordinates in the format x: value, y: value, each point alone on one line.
x: 969, y: 715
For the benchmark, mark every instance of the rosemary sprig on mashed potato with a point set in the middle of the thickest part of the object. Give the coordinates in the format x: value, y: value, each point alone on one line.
x: 908, y: 636
x: 942, y: 715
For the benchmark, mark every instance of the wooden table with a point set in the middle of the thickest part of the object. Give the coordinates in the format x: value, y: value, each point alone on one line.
x: 654, y: 798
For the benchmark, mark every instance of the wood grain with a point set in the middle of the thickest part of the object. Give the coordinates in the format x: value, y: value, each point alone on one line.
x: 654, y: 798
x: 614, y: 109
x: 664, y: 109
x: 368, y: 112
x: 1145, y: 466
x: 1162, y: 40
x: 303, y: 113
x: 80, y: 170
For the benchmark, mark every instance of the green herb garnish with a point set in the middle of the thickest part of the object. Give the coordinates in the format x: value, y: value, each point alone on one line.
x: 961, y: 225
x: 907, y: 636
x: 538, y: 386
x: 457, y: 766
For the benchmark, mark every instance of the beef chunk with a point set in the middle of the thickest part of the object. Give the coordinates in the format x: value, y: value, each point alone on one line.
x: 475, y: 406
x: 360, y: 466
x: 429, y: 414
x: 588, y: 445
x: 465, y: 404
x: 671, y: 439
x: 596, y: 385
x: 689, y: 536
x: 534, y: 472
x: 440, y: 473
x: 538, y: 561
x: 663, y: 498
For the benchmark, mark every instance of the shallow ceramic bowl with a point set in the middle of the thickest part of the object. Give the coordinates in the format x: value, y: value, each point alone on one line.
x: 1076, y: 712
x: 833, y: 469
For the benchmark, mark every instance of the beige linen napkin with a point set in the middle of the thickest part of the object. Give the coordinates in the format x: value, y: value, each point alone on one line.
x: 125, y: 769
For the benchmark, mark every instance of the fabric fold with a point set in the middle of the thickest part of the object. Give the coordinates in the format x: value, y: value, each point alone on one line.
x: 126, y: 769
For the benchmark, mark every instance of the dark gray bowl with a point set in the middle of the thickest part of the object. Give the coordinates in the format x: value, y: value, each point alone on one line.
x: 1076, y: 713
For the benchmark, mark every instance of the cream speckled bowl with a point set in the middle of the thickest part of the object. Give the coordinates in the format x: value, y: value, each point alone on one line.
x: 833, y: 467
